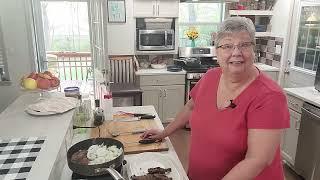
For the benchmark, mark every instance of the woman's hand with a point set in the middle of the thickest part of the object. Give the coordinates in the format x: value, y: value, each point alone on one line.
x: 153, y: 134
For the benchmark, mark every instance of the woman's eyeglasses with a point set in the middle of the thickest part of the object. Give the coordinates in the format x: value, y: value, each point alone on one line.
x: 242, y: 46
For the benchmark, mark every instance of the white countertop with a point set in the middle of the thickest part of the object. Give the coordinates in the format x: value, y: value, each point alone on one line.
x: 264, y: 67
x: 66, y: 174
x: 15, y: 123
x: 144, y: 72
x: 307, y: 94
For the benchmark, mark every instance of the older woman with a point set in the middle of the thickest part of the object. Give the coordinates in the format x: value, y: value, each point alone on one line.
x: 236, y: 114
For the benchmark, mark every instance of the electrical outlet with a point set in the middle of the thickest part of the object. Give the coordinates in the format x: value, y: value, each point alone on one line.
x: 278, y: 49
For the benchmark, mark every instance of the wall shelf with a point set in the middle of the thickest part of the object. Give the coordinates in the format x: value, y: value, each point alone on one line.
x: 263, y: 34
x: 250, y: 12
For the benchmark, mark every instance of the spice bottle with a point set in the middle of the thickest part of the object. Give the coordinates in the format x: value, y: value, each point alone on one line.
x: 98, y: 114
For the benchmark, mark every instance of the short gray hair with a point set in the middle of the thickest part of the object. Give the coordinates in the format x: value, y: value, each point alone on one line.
x: 235, y: 24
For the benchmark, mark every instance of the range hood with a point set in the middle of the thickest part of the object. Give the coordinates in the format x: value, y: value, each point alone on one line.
x: 208, y: 1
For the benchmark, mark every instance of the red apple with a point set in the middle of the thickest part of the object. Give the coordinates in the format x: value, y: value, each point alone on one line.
x: 43, y: 83
x: 54, y: 82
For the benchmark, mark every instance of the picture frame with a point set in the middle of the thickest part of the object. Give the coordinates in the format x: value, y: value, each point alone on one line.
x: 116, y: 11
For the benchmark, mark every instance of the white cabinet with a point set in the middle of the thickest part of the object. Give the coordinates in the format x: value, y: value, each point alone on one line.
x: 164, y: 92
x: 156, y: 8
x: 290, y: 137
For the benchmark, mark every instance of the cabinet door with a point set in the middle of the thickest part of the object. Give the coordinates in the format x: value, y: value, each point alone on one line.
x: 172, y: 101
x: 151, y: 96
x: 144, y: 8
x: 167, y: 8
x: 290, y: 139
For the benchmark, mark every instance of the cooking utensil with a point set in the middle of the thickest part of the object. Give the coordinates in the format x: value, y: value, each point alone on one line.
x: 116, y: 133
x: 143, y: 141
x: 174, y: 68
x: 99, y: 169
x: 194, y: 62
x: 130, y: 119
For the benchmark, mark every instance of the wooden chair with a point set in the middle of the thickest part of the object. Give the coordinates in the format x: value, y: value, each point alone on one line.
x: 123, y: 77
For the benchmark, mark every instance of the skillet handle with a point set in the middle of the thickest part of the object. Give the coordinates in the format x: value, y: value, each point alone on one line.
x: 115, y: 174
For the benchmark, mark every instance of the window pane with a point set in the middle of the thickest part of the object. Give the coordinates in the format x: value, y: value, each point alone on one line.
x: 300, y: 57
x: 204, y: 39
x: 200, y: 12
x: 308, y: 64
x: 315, y: 66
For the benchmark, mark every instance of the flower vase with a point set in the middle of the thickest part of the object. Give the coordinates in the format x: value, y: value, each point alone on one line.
x: 193, y: 43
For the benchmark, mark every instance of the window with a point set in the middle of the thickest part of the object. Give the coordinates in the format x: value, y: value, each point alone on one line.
x: 205, y: 17
x: 4, y: 76
x: 308, y: 44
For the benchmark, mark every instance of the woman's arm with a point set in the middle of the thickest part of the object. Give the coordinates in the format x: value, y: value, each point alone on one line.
x: 262, y: 145
x: 180, y: 121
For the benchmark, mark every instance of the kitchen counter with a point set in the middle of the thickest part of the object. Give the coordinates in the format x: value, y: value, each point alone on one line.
x: 144, y: 72
x: 266, y: 68
x: 15, y: 123
x: 66, y: 174
x: 307, y: 94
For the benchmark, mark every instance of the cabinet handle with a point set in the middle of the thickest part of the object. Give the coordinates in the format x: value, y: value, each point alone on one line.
x: 160, y: 93
x: 165, y: 93
x: 153, y: 12
x: 158, y: 10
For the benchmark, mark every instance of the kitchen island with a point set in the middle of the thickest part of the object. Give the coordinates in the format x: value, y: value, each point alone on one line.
x: 50, y: 162
x: 66, y: 174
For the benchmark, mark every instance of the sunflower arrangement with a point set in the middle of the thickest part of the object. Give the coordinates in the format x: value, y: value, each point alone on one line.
x: 192, y: 33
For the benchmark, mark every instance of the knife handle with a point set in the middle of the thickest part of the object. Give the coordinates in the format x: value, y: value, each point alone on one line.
x: 147, y: 141
x: 147, y: 117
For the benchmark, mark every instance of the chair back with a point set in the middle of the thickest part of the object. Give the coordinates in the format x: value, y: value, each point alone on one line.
x: 122, y: 69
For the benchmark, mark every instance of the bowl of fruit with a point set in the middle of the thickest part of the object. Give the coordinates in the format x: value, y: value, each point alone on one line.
x: 40, y: 81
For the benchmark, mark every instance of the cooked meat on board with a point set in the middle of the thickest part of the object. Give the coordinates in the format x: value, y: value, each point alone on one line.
x: 158, y: 170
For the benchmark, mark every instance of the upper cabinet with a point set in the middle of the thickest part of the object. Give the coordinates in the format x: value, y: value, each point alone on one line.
x: 156, y: 8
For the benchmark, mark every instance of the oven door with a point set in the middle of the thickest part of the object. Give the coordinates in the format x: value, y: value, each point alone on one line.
x: 190, y: 84
x: 153, y: 40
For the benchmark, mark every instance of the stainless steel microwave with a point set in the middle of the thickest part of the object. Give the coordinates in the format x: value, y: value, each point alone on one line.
x: 156, y: 40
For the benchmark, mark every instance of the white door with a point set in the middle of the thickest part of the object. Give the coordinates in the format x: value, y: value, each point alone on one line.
x: 144, y: 8
x: 167, y: 8
x: 303, y: 44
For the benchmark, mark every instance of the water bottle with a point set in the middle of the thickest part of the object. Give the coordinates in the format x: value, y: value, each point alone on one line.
x: 107, y: 105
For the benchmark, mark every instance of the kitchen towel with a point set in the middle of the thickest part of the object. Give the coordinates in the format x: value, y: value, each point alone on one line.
x: 17, y: 156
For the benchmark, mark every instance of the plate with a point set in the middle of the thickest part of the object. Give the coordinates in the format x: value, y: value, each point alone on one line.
x: 139, y: 164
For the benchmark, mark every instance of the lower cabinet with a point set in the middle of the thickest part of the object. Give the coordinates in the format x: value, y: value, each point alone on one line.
x: 167, y: 100
x: 165, y: 92
x: 290, y: 136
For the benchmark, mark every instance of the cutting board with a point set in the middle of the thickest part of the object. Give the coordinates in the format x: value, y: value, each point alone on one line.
x: 130, y: 141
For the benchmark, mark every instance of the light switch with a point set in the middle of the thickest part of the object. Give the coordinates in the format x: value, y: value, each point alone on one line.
x: 278, y: 49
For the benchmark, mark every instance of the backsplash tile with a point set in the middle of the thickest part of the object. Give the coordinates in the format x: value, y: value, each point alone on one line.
x: 269, y: 50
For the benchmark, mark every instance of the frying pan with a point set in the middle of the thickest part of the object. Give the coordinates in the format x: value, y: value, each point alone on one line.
x: 99, y: 169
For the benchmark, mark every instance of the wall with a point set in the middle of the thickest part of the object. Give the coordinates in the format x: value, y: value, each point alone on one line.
x: 281, y: 17
x: 15, y: 28
x: 120, y: 36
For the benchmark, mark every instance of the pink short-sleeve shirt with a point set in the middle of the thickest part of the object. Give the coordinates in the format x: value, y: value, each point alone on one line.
x: 219, y: 137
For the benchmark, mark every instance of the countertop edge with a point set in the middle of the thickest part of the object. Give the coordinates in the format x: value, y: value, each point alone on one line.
x: 291, y: 91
